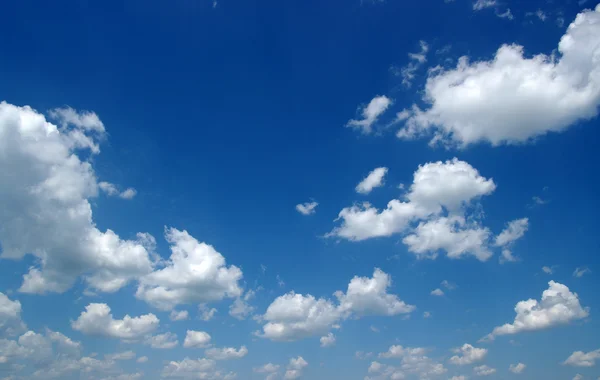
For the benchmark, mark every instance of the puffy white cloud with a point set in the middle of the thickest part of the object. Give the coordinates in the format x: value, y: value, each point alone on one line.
x: 468, y: 354
x: 295, y: 368
x: 226, y: 353
x: 190, y: 369
x: 45, y: 189
x: 126, y: 355
x: 512, y: 99
x: 98, y: 320
x: 517, y: 368
x: 413, y: 361
x: 327, y: 340
x: 558, y: 306
x: 307, y: 208
x: 437, y: 187
x: 10, y: 316
x: 377, y: 106
x: 583, y: 359
x: 484, y: 370
x: 371, y: 181
x: 195, y: 273
x: 437, y: 292
x: 196, y: 339
x: 295, y: 316
x: 206, y: 313
x: 164, y: 341
x: 579, y: 272
x: 179, y: 315
x: 383, y: 371
x: 113, y: 191
x: 240, y: 309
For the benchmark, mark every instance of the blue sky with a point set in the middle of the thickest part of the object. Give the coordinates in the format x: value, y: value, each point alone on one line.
x: 299, y: 189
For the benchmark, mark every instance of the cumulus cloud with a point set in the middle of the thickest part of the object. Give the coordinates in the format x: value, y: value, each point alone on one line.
x: 196, y: 339
x: 180, y: 315
x: 295, y: 368
x: 583, y: 359
x: 206, y: 313
x: 484, y: 370
x: 45, y: 188
x: 376, y: 107
x: 295, y: 316
x: 371, y: 181
x: 517, y: 368
x: 437, y: 292
x: 226, y: 353
x: 10, y: 316
x: 164, y: 341
x: 190, y: 369
x: 195, y: 273
x: 268, y: 368
x: 98, y: 320
x: 412, y: 361
x: 307, y: 208
x: 558, y: 306
x: 468, y: 354
x: 327, y: 340
x: 512, y: 98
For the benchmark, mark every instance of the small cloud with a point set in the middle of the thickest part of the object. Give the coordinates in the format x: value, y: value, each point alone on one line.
x: 307, y: 208
x: 426, y: 314
x: 437, y: 292
x: 374, y: 329
x: 579, y: 272
x: 376, y: 107
x: 548, y: 270
x: 111, y: 190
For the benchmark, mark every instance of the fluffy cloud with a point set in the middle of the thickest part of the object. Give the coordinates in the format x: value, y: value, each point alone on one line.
x: 371, y: 181
x: 226, y: 353
x: 484, y: 370
x: 196, y: 339
x: 113, y: 191
x: 437, y: 292
x: 295, y: 316
x: 413, y: 361
x: 513, y: 232
x: 517, y: 368
x: 295, y: 368
x: 439, y: 199
x: 512, y: 98
x: 558, y: 306
x: 468, y: 354
x: 195, y: 273
x: 44, y: 194
x: 206, y: 314
x: 327, y: 340
x: 190, y: 369
x: 377, y: 106
x: 307, y: 208
x: 179, y: 315
x: 164, y: 341
x: 98, y: 320
x: 10, y: 316
x: 583, y: 359
x: 240, y: 309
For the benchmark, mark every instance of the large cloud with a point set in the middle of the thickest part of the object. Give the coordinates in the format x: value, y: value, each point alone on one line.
x: 295, y: 316
x: 195, y: 273
x: 558, y: 306
x: 98, y: 320
x: 45, y: 188
x: 513, y: 98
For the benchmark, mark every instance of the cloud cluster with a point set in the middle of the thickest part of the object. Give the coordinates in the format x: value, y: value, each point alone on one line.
x: 413, y: 361
x: 294, y: 316
x: 468, y: 354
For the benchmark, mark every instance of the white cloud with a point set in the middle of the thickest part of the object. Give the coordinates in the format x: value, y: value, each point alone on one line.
x: 413, y: 361
x: 437, y: 186
x: 371, y: 181
x: 408, y: 72
x: 295, y: 316
x: 468, y: 354
x: 295, y: 368
x: 426, y: 314
x: 142, y: 359
x: 240, y: 309
x: 190, y: 369
x: 327, y: 340
x: 181, y: 315
x: 548, y: 270
x: 437, y: 292
x: 461, y: 377
x: 206, y: 313
x: 196, y: 339
x: 377, y: 106
x: 449, y: 285
x: 267, y: 368
x: 307, y: 208
x: 98, y: 320
x: 10, y: 316
x: 126, y: 355
x: 583, y: 359
x: 517, y: 368
x: 112, y: 190
x: 558, y: 306
x: 513, y: 99
x: 195, y: 273
x: 513, y: 231
x: 226, y: 353
x: 579, y: 272
x: 484, y: 370
x: 482, y: 4
x: 164, y: 341
x: 578, y: 377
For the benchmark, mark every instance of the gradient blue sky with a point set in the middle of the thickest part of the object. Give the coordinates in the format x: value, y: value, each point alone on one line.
x: 224, y: 116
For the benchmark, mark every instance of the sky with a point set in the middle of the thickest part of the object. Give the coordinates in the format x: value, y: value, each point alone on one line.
x: 356, y: 189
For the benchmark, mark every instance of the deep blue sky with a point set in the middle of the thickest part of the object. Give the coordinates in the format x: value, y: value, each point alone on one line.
x: 224, y: 118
